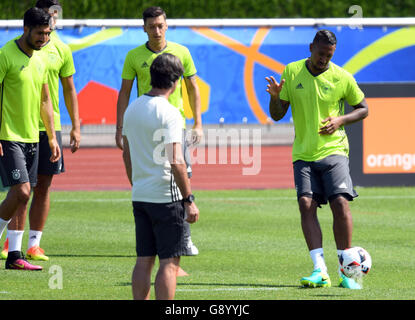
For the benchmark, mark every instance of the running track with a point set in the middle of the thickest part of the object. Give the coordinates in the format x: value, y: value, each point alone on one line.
x: 103, y: 169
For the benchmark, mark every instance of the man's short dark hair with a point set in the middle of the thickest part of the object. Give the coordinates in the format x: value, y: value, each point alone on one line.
x: 153, y: 12
x: 165, y: 70
x: 46, y: 4
x: 325, y: 37
x: 35, y: 17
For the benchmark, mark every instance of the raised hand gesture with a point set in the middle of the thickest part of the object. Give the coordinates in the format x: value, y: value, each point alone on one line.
x: 273, y: 87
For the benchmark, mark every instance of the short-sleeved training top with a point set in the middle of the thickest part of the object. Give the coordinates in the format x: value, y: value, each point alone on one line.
x: 314, y: 98
x: 151, y: 123
x: 60, y: 63
x: 137, y: 66
x: 21, y: 78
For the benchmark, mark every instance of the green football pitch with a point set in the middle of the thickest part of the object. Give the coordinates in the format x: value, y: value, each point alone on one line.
x: 250, y: 242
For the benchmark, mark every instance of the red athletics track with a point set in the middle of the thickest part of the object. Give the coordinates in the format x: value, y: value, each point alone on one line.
x: 103, y: 169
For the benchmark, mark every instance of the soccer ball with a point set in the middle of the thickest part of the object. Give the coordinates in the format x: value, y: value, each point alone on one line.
x: 355, y: 262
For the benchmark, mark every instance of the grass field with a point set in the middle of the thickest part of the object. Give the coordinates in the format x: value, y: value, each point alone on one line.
x: 250, y: 242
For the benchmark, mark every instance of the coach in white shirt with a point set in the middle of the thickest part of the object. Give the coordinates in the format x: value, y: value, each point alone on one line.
x: 161, y: 192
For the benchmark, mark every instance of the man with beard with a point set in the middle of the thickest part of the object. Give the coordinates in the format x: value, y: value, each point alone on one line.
x: 24, y: 101
x: 316, y: 89
x: 58, y: 57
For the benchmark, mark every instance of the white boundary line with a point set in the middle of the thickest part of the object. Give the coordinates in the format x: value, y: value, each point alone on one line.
x: 229, y: 289
x: 396, y: 197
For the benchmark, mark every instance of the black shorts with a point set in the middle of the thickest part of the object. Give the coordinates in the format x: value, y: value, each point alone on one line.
x: 45, y: 166
x: 324, y: 179
x: 19, y: 163
x: 159, y: 229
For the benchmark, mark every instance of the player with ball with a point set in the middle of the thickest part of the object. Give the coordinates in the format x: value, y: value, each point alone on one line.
x: 316, y: 89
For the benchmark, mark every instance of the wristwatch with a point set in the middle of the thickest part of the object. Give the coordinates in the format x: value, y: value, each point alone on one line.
x: 189, y: 199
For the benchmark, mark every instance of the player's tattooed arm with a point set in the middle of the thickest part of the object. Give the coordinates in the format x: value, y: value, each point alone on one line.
x: 278, y: 108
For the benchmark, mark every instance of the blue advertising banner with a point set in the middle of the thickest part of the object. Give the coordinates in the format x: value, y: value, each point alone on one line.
x: 232, y: 63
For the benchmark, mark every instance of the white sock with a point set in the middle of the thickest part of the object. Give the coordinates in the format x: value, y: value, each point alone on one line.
x: 34, y: 238
x: 339, y: 253
x: 3, y: 225
x: 15, y: 240
x: 317, y: 256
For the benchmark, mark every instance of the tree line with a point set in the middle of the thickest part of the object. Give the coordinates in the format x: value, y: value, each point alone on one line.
x: 203, y: 9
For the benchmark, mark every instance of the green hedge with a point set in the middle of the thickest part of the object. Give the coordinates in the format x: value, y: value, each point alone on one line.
x: 110, y: 9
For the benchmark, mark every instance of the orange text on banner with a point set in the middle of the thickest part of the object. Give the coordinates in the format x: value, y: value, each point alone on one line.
x: 388, y: 136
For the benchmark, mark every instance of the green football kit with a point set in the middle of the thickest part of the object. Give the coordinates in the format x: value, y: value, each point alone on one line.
x: 137, y: 66
x: 58, y: 57
x: 21, y: 78
x: 314, y: 98
x: 320, y: 161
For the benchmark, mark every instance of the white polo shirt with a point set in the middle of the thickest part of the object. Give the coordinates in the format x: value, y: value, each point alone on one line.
x: 150, y: 123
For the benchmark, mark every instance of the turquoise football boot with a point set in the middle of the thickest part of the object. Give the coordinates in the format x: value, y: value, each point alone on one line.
x: 349, y: 283
x: 316, y: 279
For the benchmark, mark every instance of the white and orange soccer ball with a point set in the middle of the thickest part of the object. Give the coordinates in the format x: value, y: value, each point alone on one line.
x: 355, y: 262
